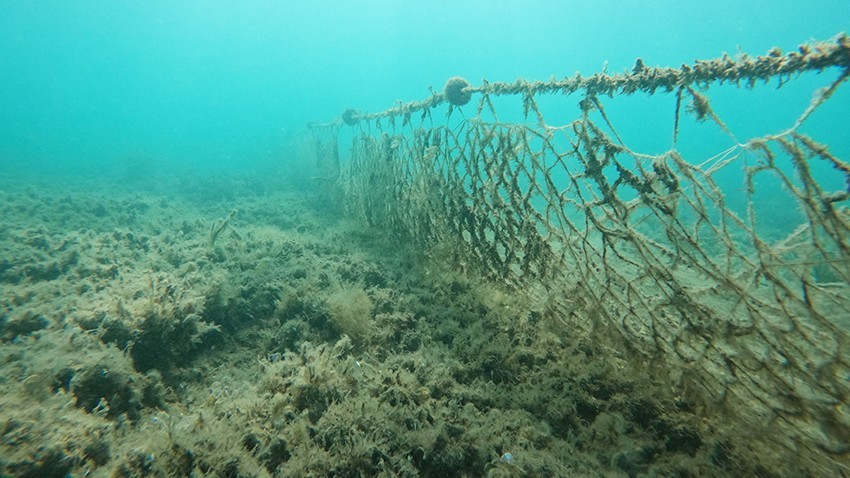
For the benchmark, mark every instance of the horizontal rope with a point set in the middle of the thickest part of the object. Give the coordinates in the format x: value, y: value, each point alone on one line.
x: 744, y: 68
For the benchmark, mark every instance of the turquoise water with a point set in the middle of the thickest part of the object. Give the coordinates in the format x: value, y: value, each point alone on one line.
x: 221, y: 86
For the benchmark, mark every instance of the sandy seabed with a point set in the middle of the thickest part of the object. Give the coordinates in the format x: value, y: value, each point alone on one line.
x: 295, y: 343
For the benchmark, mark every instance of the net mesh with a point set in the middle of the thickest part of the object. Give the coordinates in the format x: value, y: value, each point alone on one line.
x: 654, y: 253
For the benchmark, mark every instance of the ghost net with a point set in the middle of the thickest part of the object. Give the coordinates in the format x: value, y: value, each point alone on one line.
x: 687, y: 273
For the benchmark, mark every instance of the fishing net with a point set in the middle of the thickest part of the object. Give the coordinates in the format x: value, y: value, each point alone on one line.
x: 690, y: 275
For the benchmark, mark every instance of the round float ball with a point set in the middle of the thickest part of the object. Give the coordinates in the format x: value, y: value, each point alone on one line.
x: 349, y: 117
x: 454, y: 91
